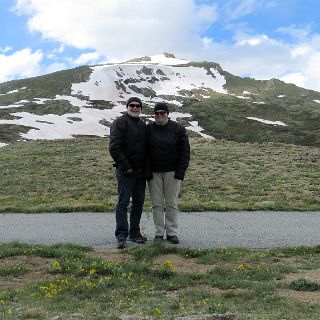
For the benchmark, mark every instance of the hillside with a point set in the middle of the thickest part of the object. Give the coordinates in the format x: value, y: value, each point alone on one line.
x: 77, y: 175
x: 208, y: 100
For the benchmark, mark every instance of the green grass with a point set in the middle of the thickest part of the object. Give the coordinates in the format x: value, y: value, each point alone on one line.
x: 46, y: 86
x: 55, y: 251
x: 225, y: 117
x: 51, y: 107
x: 13, y: 270
x: 93, y: 288
x: 77, y: 175
x: 305, y: 285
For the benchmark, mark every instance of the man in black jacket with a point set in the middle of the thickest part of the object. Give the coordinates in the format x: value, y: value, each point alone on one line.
x: 127, y: 147
x: 168, y: 156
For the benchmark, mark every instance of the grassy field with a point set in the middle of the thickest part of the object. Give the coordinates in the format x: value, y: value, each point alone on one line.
x: 158, y: 281
x: 77, y: 175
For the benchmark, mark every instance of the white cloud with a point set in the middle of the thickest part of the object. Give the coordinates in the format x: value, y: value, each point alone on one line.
x: 55, y: 53
x: 53, y: 67
x: 263, y: 57
x: 300, y: 50
x: 121, y: 29
x: 86, y: 58
x: 297, y: 32
x: 254, y: 41
x: 235, y: 9
x: 312, y: 73
x: 297, y: 78
x: 207, y: 42
x: 257, y: 56
x: 20, y: 64
x: 5, y: 49
x: 206, y: 14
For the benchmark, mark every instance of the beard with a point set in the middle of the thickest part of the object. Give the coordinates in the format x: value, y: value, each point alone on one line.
x: 134, y: 114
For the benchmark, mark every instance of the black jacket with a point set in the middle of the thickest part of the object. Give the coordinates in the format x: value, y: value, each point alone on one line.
x: 127, y: 145
x: 168, y: 149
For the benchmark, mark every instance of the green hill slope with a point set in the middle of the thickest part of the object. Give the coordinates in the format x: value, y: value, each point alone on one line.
x: 77, y: 175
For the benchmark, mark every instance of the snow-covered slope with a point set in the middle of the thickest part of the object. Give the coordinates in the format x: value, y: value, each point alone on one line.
x: 157, y: 78
x: 165, y: 79
x: 41, y: 109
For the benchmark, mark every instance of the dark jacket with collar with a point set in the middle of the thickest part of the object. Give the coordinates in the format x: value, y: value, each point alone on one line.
x: 168, y: 149
x: 127, y: 144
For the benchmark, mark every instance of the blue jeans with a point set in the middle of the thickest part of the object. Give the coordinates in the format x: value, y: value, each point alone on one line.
x: 134, y: 187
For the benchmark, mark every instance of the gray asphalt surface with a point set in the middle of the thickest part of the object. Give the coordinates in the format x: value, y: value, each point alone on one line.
x: 255, y: 229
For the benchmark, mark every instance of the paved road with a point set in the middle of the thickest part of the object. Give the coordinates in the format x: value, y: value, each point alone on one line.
x: 256, y: 229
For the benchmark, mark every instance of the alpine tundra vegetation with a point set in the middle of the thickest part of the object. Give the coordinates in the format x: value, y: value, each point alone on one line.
x: 254, y: 143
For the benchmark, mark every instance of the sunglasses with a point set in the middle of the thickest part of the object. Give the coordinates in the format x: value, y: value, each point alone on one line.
x: 157, y: 113
x: 134, y: 105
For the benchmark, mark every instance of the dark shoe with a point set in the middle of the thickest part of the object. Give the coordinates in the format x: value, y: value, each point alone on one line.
x: 139, y: 238
x: 121, y: 244
x: 173, y: 239
x: 158, y: 238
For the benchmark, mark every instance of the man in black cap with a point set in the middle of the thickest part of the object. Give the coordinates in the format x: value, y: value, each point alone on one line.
x: 168, y: 156
x: 127, y: 147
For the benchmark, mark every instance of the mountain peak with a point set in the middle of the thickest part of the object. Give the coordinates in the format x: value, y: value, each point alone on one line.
x: 169, y: 55
x: 164, y: 58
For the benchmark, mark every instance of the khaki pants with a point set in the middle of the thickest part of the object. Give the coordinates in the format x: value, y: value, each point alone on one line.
x: 164, y: 191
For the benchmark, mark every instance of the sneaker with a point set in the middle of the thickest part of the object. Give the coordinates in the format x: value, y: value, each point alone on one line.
x: 158, y: 238
x: 173, y: 239
x: 121, y: 244
x: 139, y: 238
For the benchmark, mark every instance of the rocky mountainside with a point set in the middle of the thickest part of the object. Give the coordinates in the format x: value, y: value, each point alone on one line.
x: 209, y: 101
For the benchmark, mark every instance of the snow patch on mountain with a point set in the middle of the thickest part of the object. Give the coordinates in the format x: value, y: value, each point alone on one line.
x: 151, y: 82
x: 73, y: 100
x: 40, y: 100
x: 66, y: 126
x: 243, y: 97
x: 13, y: 91
x: 274, y: 123
x: 240, y: 97
x: 85, y: 122
x: 152, y: 79
x: 194, y: 126
x: 164, y: 59
x: 249, y: 93
x: 11, y: 106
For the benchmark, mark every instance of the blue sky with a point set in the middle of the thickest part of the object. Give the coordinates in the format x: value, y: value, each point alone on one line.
x: 259, y: 38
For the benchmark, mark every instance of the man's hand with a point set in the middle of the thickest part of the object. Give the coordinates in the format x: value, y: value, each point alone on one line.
x: 128, y: 172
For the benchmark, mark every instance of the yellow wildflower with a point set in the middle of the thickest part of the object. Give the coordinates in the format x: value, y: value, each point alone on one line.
x: 169, y: 265
x: 56, y: 265
x: 158, y: 310
x: 9, y: 312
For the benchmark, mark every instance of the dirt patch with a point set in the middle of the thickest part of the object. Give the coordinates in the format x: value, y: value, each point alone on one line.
x: 302, y: 296
x: 112, y: 255
x: 305, y: 274
x: 181, y: 264
x: 209, y: 317
x: 299, y: 296
x: 37, y: 269
x: 190, y: 317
